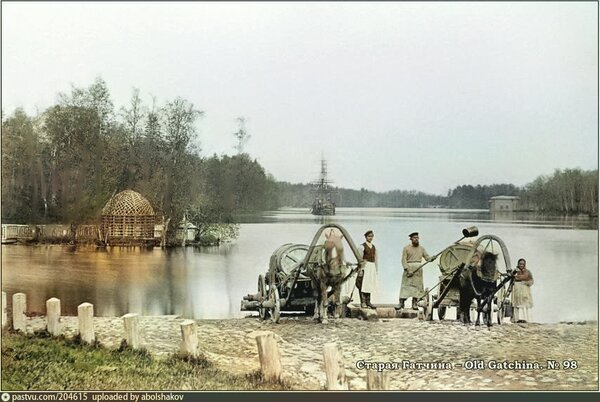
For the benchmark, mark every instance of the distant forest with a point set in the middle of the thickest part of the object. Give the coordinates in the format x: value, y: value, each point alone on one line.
x: 64, y: 164
x: 568, y: 191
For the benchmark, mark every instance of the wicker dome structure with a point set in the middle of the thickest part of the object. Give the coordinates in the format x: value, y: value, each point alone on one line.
x: 128, y: 215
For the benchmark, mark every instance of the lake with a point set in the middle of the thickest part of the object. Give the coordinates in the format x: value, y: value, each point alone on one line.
x: 209, y: 282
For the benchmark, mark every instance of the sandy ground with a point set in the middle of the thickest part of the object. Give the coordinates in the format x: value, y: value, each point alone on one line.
x: 471, y: 358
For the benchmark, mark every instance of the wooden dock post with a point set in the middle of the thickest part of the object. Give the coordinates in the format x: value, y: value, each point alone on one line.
x: 335, y: 371
x: 189, y: 335
x: 269, y: 356
x: 378, y: 380
x: 53, y: 316
x: 132, y: 330
x: 85, y: 316
x: 19, y: 308
x: 4, y: 314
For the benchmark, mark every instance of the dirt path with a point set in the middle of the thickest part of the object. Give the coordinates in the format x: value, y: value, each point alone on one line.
x: 231, y: 345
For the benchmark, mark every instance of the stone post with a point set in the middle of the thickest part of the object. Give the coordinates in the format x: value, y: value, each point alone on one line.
x: 53, y: 316
x: 270, y: 358
x: 4, y: 314
x: 335, y: 371
x: 378, y: 380
x: 189, y: 335
x: 132, y: 330
x: 85, y: 315
x: 19, y: 309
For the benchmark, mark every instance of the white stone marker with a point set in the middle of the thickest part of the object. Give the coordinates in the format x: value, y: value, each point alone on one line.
x: 4, y: 314
x: 378, y: 380
x: 19, y: 309
x: 53, y: 316
x: 269, y: 356
x: 335, y: 371
x: 189, y: 335
x: 132, y: 330
x: 85, y: 315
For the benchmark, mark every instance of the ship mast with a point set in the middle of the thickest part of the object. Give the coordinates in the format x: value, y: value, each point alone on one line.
x: 322, y: 188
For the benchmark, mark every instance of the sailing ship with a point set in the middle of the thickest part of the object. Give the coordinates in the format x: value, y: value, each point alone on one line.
x: 323, y: 203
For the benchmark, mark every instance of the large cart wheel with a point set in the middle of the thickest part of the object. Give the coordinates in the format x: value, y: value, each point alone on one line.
x: 275, y: 310
x: 262, y: 294
x: 489, y: 243
x: 504, y: 301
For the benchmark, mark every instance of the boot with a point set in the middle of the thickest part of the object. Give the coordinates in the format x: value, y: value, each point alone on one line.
x: 401, y: 304
x: 368, y: 300
x: 363, y: 300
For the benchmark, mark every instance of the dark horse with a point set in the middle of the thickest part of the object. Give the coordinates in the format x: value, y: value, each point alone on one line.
x: 482, y: 288
x: 330, y: 273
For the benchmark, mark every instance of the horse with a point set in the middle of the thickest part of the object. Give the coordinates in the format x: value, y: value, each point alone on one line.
x: 483, y: 289
x: 329, y: 273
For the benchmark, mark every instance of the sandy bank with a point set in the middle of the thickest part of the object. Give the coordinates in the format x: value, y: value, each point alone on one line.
x: 514, y: 356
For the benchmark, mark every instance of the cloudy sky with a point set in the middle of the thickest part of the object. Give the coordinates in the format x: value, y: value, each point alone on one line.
x: 423, y: 96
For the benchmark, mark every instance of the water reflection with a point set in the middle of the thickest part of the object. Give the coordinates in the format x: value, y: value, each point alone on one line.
x: 209, y: 282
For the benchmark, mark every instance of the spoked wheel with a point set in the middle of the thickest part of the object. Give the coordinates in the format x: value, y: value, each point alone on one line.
x: 505, y: 307
x: 275, y: 309
x: 272, y: 304
x: 262, y: 292
x: 492, y: 244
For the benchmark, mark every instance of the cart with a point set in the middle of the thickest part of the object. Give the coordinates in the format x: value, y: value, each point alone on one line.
x: 456, y: 260
x: 287, y: 286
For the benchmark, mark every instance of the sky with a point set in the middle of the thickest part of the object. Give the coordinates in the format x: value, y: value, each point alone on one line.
x: 394, y: 95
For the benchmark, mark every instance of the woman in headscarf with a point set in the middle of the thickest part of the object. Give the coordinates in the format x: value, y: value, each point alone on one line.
x: 521, y: 296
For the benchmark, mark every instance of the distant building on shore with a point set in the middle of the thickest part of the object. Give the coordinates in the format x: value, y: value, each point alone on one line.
x: 504, y: 203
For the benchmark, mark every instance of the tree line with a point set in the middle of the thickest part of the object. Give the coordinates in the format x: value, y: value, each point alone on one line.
x: 568, y: 191
x: 64, y: 164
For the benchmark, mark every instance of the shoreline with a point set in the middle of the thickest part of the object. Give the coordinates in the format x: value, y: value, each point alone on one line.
x: 230, y: 344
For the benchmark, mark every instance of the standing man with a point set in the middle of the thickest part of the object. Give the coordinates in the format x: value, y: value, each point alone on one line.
x: 412, y: 278
x: 366, y: 281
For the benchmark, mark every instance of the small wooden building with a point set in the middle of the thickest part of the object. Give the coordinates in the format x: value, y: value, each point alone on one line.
x: 186, y: 230
x: 127, y: 216
x: 504, y: 203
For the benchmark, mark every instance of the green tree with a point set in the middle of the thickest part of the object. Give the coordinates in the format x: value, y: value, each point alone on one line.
x: 22, y: 174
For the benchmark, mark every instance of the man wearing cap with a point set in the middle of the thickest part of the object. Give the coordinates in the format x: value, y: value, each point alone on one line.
x: 366, y: 281
x: 412, y: 278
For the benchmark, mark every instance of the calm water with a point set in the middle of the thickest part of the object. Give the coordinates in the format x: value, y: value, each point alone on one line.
x: 210, y: 282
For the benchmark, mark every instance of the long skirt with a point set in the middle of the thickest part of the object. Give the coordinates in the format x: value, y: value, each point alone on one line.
x: 412, y: 286
x: 522, y: 302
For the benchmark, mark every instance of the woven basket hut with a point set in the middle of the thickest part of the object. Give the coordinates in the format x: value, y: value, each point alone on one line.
x: 128, y: 215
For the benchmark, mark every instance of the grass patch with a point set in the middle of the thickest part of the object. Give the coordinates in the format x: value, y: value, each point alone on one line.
x: 36, y: 362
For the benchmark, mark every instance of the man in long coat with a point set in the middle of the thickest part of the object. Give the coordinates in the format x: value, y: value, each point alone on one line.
x: 412, y: 277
